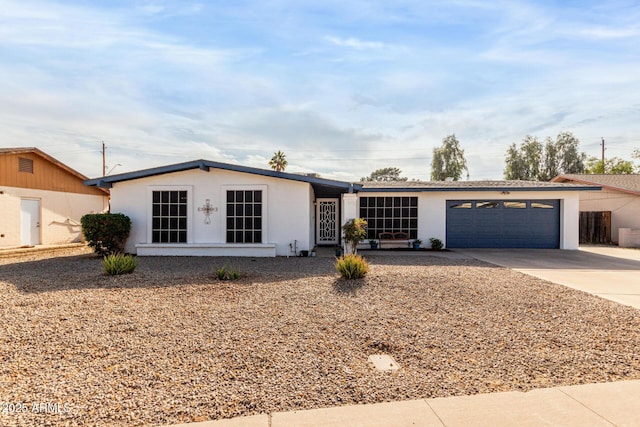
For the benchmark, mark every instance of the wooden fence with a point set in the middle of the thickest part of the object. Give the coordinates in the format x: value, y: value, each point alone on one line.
x: 595, y: 227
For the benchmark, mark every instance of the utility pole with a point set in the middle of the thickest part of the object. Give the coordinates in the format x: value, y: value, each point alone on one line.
x: 104, y: 163
x: 602, y: 153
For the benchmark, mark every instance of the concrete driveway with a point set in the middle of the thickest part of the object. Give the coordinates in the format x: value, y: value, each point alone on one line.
x: 609, y: 272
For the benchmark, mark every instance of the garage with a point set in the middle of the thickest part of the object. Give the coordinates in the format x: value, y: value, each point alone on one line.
x: 503, y: 224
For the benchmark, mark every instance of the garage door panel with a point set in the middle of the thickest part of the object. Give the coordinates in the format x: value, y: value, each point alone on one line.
x: 506, y: 224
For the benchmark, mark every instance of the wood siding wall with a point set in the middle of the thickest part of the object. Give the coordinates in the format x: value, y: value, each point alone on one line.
x: 45, y: 176
x: 595, y: 227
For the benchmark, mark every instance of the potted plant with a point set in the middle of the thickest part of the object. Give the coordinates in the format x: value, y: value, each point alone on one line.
x: 416, y: 244
x: 313, y: 251
x: 373, y: 243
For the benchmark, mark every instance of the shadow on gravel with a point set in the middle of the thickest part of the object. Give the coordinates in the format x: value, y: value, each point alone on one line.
x: 349, y: 287
x: 86, y: 271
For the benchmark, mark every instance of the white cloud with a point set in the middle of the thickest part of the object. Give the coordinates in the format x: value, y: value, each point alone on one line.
x: 355, y: 43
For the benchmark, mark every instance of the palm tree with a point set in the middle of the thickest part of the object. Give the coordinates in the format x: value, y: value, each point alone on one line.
x: 278, y: 162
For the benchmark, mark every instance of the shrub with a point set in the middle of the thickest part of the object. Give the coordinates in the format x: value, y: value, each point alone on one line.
x: 436, y: 244
x: 223, y: 273
x: 115, y: 264
x: 352, y: 266
x: 106, y: 233
x: 354, y: 231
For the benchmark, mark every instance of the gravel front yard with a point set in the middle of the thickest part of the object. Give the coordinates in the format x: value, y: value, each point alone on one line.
x: 171, y: 344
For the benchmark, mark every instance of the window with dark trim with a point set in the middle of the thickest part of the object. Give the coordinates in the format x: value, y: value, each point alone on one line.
x: 390, y: 214
x: 169, y: 217
x: 25, y: 165
x: 244, y: 216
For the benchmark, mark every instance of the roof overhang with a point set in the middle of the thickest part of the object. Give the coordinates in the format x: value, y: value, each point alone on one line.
x: 322, y: 185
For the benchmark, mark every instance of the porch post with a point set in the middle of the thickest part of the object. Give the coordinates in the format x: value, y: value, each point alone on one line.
x: 349, y: 207
x: 349, y: 211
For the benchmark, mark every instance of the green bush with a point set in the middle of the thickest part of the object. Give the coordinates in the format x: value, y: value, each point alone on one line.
x: 106, y: 233
x: 436, y: 244
x: 354, y: 231
x: 352, y: 266
x: 223, y: 273
x: 115, y: 264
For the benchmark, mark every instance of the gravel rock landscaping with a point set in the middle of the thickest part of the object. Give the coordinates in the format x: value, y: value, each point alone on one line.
x: 170, y: 343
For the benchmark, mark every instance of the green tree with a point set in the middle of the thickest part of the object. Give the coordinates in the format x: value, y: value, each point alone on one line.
x: 636, y: 155
x: 385, y: 175
x: 532, y: 161
x: 448, y: 160
x: 570, y: 159
x: 278, y: 162
x: 614, y: 166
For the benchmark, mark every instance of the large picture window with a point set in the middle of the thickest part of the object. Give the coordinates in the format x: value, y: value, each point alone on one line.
x: 169, y: 217
x: 244, y: 216
x: 390, y: 214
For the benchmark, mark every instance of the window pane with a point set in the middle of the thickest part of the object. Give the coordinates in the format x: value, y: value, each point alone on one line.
x: 248, y: 236
x: 230, y: 236
x: 257, y: 237
x: 257, y: 210
x: 515, y: 205
x: 248, y: 196
x: 169, y: 217
x: 487, y: 205
x: 541, y: 205
x: 248, y: 210
x: 257, y: 196
x: 230, y: 196
x: 239, y: 196
x: 257, y: 223
x: 461, y: 205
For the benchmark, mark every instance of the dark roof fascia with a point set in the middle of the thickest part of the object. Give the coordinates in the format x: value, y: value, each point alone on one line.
x: 453, y: 189
x: 108, y: 181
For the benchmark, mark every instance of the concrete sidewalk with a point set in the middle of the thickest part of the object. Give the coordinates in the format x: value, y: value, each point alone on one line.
x: 606, y: 404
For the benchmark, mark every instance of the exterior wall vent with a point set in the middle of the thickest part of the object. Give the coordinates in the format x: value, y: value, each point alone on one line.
x: 25, y: 165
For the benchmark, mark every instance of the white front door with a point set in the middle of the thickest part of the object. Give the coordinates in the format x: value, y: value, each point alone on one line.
x: 327, y: 218
x: 30, y: 222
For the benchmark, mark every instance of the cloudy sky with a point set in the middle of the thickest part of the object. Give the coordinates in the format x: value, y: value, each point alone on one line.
x: 342, y: 87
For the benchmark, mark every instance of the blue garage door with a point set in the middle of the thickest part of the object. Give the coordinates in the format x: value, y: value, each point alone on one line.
x: 503, y: 224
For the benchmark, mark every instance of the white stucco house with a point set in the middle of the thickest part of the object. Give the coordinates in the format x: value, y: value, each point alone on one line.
x: 209, y: 208
x: 619, y: 194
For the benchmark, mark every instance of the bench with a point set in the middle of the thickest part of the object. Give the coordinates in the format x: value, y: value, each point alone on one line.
x: 397, y: 237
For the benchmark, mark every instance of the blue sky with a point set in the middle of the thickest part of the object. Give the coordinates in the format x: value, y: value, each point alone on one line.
x: 342, y: 87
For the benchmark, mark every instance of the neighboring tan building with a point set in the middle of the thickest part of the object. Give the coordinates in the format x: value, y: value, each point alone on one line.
x: 620, y: 195
x: 42, y: 199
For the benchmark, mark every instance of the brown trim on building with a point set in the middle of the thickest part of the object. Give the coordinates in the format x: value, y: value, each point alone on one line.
x: 31, y: 168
